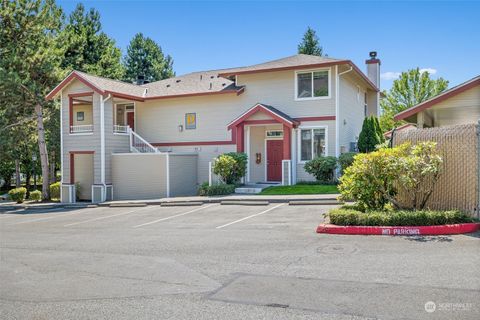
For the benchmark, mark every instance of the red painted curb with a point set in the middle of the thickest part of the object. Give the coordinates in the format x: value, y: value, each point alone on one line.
x: 400, y: 231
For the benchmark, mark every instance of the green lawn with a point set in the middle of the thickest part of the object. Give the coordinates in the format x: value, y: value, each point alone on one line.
x: 300, y: 189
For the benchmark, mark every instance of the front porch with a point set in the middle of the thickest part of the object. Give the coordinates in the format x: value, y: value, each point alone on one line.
x: 265, y: 135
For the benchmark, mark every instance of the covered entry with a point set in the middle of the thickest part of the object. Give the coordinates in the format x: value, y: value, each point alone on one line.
x: 265, y: 134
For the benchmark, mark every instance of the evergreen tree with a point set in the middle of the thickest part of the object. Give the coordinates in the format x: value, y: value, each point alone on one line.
x: 145, y: 57
x: 310, y: 44
x: 29, y: 68
x: 412, y: 88
x: 87, y: 48
x: 369, y: 137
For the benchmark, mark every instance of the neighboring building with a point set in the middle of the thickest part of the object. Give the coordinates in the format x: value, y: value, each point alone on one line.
x: 458, y: 105
x: 157, y: 139
x: 406, y: 126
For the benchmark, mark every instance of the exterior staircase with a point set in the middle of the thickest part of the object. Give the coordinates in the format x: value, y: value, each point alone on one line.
x: 140, y: 145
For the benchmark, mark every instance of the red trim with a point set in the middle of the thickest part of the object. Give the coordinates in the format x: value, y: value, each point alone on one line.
x: 238, y: 92
x: 372, y: 61
x: 306, y: 66
x: 268, y: 121
x: 297, y: 67
x: 287, y: 138
x: 125, y: 96
x: 400, y: 231
x: 72, y: 163
x: 80, y: 94
x: 259, y: 108
x: 324, y: 118
x: 66, y: 81
x: 441, y: 97
x: 240, y: 138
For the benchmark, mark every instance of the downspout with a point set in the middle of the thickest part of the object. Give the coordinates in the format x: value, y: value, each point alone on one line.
x: 337, y: 109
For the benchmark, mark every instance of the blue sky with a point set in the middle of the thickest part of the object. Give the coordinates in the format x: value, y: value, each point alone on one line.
x: 441, y: 36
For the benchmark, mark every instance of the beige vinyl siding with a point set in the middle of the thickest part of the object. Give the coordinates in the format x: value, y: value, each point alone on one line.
x: 114, y: 143
x: 205, y: 155
x: 257, y: 145
x: 158, y: 120
x: 301, y: 174
x: 87, y: 111
x: 139, y: 176
x: 351, y: 112
x: 183, y: 174
x: 457, y: 109
x: 80, y: 142
x: 84, y: 174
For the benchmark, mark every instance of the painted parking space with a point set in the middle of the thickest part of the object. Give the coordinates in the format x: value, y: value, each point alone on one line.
x: 36, y: 216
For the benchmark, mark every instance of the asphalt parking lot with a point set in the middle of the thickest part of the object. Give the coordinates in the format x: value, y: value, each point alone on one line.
x: 226, y: 262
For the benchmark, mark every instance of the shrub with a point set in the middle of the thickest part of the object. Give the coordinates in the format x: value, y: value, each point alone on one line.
x: 350, y: 217
x: 231, y: 167
x: 346, y: 160
x: 420, y: 171
x: 370, y: 136
x: 36, y: 195
x: 216, y: 189
x: 18, y: 194
x: 55, y: 190
x: 322, y: 168
x: 370, y: 180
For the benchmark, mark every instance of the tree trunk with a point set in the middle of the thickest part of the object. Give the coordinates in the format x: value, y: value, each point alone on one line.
x: 42, y: 146
x: 18, y: 182
x: 53, y: 173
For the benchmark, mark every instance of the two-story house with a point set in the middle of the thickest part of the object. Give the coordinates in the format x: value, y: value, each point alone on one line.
x: 152, y: 140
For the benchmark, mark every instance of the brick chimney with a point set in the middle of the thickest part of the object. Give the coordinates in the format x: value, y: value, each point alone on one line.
x: 373, y: 68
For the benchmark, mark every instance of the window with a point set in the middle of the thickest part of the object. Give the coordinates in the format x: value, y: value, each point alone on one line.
x: 365, y: 105
x: 312, y: 84
x: 274, y: 133
x: 80, y: 116
x: 312, y: 143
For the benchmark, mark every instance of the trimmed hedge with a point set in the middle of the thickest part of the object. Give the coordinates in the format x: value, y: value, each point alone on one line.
x: 55, y: 191
x: 36, y: 195
x: 18, y: 194
x: 216, y: 189
x: 351, y: 217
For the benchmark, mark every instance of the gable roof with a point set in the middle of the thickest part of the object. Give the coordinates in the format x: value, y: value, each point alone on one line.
x: 439, y: 98
x: 198, y: 83
x: 264, y: 108
x: 295, y: 62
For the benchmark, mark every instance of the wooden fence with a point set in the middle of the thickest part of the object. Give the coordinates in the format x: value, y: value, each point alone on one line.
x: 458, y: 185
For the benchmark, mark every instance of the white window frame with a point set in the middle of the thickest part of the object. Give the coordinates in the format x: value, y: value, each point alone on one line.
x: 273, y: 137
x: 299, y: 141
x: 297, y: 72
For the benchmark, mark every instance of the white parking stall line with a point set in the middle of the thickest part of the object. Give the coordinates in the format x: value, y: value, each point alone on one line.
x: 106, y: 217
x: 174, y: 216
x: 251, y: 216
x: 59, y: 215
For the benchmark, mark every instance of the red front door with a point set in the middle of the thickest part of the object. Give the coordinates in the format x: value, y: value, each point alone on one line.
x: 131, y: 120
x: 274, y: 160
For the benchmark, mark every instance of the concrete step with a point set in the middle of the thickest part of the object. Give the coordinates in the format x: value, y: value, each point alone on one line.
x: 244, y: 203
x: 248, y: 190
x: 332, y: 201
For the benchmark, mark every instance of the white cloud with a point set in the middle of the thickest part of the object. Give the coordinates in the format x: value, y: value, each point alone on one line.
x: 390, y: 75
x: 429, y: 70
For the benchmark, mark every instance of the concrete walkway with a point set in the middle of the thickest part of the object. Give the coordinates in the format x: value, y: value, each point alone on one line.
x: 228, y: 199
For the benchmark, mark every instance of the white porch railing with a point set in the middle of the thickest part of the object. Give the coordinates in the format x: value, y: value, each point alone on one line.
x: 81, y: 128
x: 138, y: 144
x: 120, y: 129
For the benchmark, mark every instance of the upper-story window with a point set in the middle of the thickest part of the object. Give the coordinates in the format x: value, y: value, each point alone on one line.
x: 312, y: 84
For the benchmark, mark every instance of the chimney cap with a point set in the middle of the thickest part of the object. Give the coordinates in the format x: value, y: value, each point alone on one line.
x: 373, y: 58
x: 373, y: 54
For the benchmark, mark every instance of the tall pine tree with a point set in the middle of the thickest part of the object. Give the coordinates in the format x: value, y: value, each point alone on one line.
x: 310, y: 44
x: 87, y: 48
x: 145, y: 57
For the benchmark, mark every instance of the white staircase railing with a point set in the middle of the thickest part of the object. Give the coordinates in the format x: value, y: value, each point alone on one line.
x: 140, y: 145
